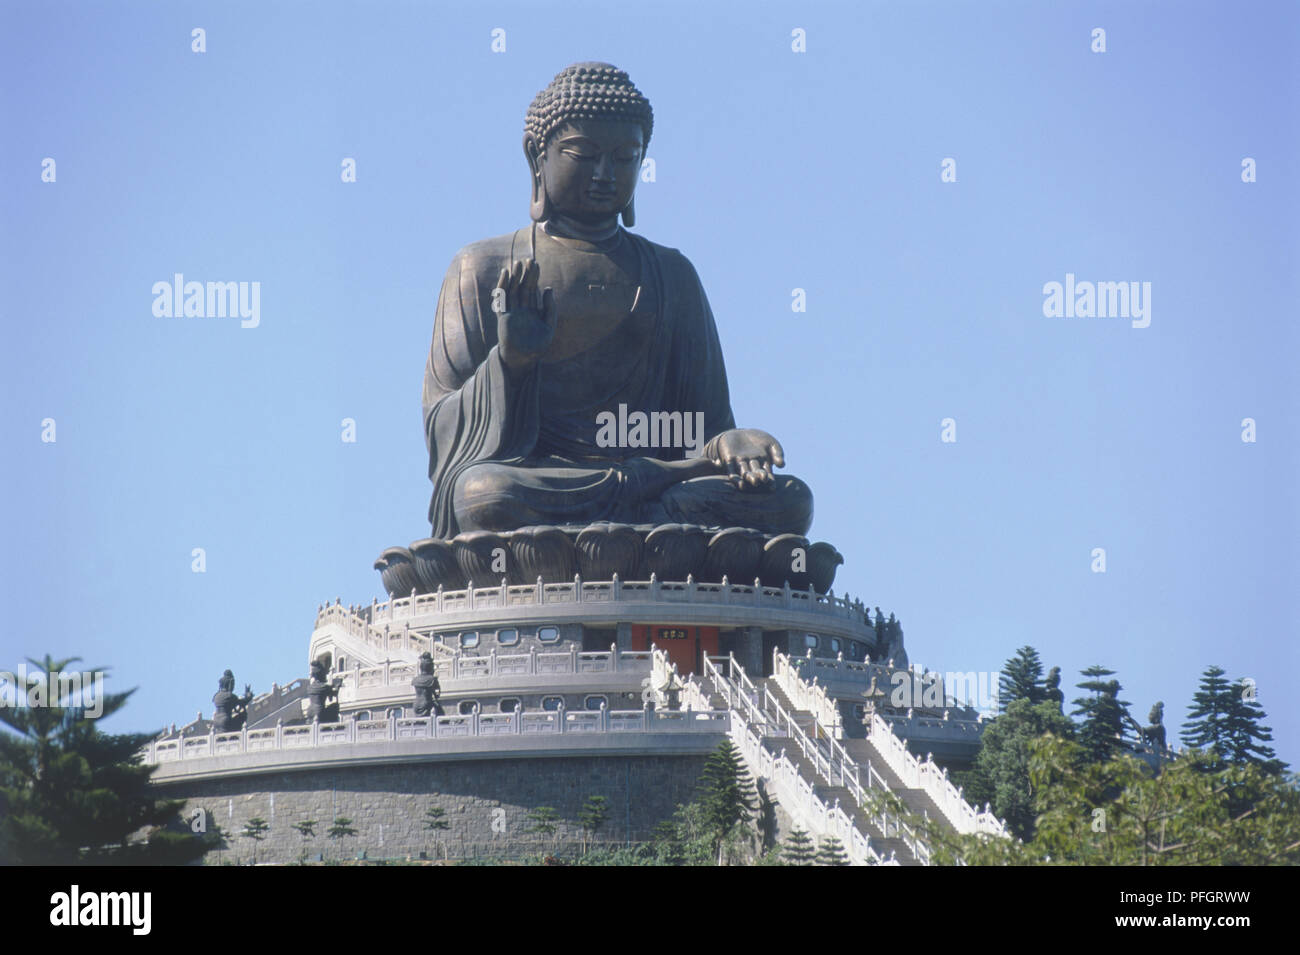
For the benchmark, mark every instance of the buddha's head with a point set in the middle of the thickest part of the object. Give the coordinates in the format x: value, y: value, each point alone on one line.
x: 585, y: 136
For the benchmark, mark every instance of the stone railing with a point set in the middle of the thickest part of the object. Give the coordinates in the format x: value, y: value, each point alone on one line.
x: 913, y: 773
x: 654, y: 590
x: 927, y: 776
x: 460, y: 666
x: 798, y: 795
x: 550, y: 722
x: 762, y: 711
x: 806, y: 695
x: 821, y: 671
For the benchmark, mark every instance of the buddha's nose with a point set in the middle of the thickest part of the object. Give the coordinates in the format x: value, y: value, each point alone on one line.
x: 604, y: 171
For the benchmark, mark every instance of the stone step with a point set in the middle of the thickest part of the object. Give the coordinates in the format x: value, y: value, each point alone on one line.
x: 917, y: 800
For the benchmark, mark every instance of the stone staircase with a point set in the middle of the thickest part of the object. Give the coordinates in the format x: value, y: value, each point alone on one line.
x: 777, y: 742
x: 915, y: 800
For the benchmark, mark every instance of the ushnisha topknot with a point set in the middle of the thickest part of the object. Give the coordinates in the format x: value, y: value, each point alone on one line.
x: 587, y: 91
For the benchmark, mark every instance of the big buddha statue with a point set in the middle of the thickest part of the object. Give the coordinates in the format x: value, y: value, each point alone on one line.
x: 546, y: 334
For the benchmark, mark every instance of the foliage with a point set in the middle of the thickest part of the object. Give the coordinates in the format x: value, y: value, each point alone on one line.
x: 728, y: 798
x: 831, y: 852
x: 1021, y: 679
x: 70, y: 794
x: 1227, y: 719
x: 1122, y: 812
x: 1105, y: 715
x: 798, y: 848
x: 545, y: 820
x: 306, y: 828
x: 1000, y: 776
x: 591, y: 817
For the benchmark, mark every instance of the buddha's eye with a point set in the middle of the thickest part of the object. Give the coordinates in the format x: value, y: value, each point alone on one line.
x: 578, y: 156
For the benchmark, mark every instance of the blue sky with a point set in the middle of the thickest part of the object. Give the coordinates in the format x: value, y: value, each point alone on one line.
x: 775, y: 170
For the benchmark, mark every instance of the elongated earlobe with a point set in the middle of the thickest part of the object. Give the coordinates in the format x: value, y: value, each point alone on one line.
x: 629, y: 212
x: 539, y: 208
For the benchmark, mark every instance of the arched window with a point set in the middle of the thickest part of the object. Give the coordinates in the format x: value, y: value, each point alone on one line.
x: 552, y: 702
x: 835, y: 644
x: 595, y: 702
x: 468, y: 638
x: 548, y: 634
x: 508, y: 637
x: 810, y: 641
x: 509, y: 704
x: 467, y: 707
x: 393, y: 713
x: 361, y: 715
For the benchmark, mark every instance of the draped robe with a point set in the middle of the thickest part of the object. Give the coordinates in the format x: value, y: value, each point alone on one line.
x: 528, y: 444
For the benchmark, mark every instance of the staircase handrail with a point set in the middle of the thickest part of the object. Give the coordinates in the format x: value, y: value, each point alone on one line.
x: 841, y: 772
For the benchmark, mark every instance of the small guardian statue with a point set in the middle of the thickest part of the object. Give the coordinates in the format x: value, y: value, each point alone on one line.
x: 320, y: 693
x: 230, y: 711
x: 427, y: 689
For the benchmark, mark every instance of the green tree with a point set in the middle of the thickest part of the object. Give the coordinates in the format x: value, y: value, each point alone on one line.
x: 798, y: 848
x: 1122, y: 812
x: 341, y: 829
x: 831, y: 852
x: 1021, y: 679
x: 545, y: 821
x: 1206, y: 726
x: 435, y: 821
x: 728, y: 799
x: 1105, y: 715
x: 1246, y: 734
x: 70, y: 794
x: 1000, y: 776
x: 307, y: 829
x: 592, y: 815
x: 255, y: 829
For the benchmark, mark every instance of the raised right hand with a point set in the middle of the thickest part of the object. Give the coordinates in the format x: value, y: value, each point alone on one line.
x: 525, y: 316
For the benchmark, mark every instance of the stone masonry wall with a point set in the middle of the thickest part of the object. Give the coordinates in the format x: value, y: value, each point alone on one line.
x: 486, y: 803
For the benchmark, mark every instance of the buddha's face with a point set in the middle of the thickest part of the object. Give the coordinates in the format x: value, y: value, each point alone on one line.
x: 590, y: 168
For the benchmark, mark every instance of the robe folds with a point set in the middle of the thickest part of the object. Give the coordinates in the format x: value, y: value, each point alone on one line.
x: 665, y: 357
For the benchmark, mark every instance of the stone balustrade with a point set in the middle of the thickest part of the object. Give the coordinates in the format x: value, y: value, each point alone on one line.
x: 799, y: 796
x: 913, y: 772
x: 366, y: 622
x: 461, y: 666
x: 762, y: 711
x: 322, y: 736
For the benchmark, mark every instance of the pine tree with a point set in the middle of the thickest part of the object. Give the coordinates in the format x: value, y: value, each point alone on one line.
x: 1245, y: 733
x: 592, y: 815
x: 1105, y: 715
x: 341, y: 829
x: 545, y: 821
x: 798, y: 848
x: 831, y: 852
x: 1021, y: 679
x: 307, y: 829
x: 435, y: 821
x: 255, y: 829
x: 728, y: 796
x: 1206, y: 726
x: 70, y: 794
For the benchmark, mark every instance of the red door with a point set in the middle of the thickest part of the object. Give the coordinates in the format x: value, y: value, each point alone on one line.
x: 685, y: 646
